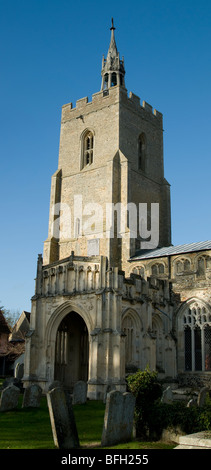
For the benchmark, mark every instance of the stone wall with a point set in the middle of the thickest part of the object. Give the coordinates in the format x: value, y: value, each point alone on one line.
x: 116, y: 122
x: 89, y: 322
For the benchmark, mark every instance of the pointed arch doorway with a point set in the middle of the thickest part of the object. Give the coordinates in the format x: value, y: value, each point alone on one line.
x: 71, y: 350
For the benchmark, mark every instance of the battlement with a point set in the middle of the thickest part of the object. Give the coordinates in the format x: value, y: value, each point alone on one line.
x: 82, y: 275
x: 106, y: 98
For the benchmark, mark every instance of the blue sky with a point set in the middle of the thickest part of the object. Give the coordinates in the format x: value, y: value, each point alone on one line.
x: 51, y: 53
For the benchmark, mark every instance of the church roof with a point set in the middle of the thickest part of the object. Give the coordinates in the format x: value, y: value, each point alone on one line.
x: 171, y: 250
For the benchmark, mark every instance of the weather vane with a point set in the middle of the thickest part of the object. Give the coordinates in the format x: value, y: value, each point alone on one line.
x: 112, y: 24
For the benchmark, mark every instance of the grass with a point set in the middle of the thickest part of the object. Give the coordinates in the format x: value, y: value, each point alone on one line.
x: 27, y: 428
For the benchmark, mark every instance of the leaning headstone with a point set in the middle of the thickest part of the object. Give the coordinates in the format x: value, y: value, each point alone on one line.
x: 9, y: 398
x: 118, y: 419
x: 63, y: 425
x: 79, y: 393
x: 167, y: 396
x: 32, y: 396
x: 202, y: 397
x: 55, y: 384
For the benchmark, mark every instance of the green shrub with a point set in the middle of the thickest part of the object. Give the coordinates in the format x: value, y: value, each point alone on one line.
x: 145, y: 387
x: 152, y: 416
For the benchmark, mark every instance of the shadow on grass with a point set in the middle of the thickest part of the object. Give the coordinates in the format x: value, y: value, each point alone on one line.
x: 30, y: 428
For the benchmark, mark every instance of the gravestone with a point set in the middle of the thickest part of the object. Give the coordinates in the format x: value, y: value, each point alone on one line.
x: 62, y: 419
x: 202, y: 396
x: 118, y: 419
x: 79, y: 393
x: 13, y: 381
x: 32, y: 396
x: 109, y: 388
x: 167, y: 396
x: 55, y: 384
x: 9, y: 398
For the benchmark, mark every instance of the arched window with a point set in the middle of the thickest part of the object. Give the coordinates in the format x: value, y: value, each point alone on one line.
x: 197, y: 338
x: 157, y: 269
x: 106, y: 81
x: 142, y: 152
x: 139, y: 270
x: 87, y: 149
x: 128, y: 329
x: 132, y: 328
x: 182, y: 266
x: 200, y: 272
x: 113, y: 79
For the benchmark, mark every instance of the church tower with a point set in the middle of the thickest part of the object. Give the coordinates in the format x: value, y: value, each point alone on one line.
x: 91, y: 319
x: 110, y: 157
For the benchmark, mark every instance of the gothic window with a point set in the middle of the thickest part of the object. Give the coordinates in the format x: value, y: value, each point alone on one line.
x: 142, y: 152
x: 197, y: 338
x: 128, y: 329
x: 182, y: 266
x: 139, y: 270
x: 157, y: 269
x: 131, y: 326
x: 87, y: 149
x: 201, y: 265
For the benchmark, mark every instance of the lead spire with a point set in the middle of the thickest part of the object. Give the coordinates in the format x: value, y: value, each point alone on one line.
x: 113, y: 71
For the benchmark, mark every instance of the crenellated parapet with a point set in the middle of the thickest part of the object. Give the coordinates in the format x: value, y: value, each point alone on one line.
x: 106, y: 98
x: 85, y: 275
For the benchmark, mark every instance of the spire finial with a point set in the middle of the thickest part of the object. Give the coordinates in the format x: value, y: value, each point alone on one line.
x: 113, y: 70
x: 112, y: 24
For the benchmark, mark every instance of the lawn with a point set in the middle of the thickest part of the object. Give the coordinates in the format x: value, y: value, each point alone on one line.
x: 26, y: 428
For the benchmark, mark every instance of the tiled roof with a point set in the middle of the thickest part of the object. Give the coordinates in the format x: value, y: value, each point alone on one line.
x: 171, y: 250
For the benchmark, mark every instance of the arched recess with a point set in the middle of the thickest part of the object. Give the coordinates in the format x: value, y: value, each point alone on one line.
x: 67, y: 344
x: 157, y: 331
x: 193, y: 326
x: 132, y: 327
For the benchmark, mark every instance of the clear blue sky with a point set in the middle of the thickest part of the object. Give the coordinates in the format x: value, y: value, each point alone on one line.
x: 51, y: 53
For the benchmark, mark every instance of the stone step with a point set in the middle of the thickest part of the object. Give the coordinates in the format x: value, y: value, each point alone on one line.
x: 199, y: 440
x: 181, y: 446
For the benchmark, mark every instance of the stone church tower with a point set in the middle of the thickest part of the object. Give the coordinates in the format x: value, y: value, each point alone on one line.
x: 90, y: 321
x: 111, y: 152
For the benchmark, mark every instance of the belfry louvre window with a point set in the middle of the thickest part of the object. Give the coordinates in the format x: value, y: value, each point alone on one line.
x: 87, y: 150
x: 197, y: 338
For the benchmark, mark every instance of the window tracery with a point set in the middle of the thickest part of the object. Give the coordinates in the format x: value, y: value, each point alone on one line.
x: 197, y: 338
x: 87, y: 149
x: 157, y: 269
